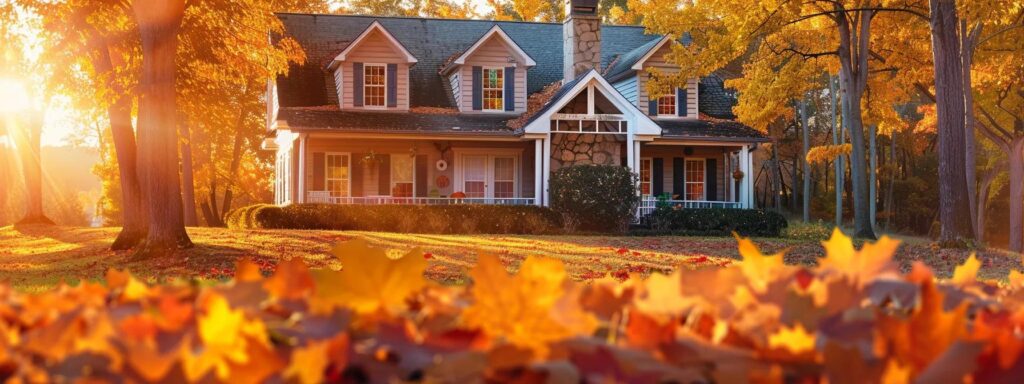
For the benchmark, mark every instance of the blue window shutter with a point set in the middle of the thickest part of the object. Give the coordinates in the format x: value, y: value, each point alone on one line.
x: 681, y: 106
x: 478, y: 88
x: 392, y: 85
x: 652, y: 106
x: 510, y: 88
x: 657, y: 176
x: 357, y: 84
x: 711, y: 179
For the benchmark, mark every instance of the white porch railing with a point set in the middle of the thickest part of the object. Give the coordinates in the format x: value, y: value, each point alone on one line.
x: 649, y: 203
x: 324, y: 197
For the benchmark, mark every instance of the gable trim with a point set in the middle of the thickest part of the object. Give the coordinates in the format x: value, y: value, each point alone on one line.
x: 496, y: 30
x: 639, y: 123
x: 640, y: 63
x: 376, y: 25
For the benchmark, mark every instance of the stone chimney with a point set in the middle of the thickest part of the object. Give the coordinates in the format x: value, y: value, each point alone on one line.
x: 581, y: 34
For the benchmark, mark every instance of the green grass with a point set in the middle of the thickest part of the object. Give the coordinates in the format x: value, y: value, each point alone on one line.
x: 34, y: 258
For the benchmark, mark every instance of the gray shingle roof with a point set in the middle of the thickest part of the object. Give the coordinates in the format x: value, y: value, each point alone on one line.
x: 431, y: 41
x: 709, y: 130
x: 300, y: 118
x: 623, y: 64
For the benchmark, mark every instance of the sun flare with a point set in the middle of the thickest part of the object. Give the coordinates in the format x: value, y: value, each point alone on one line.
x: 13, y: 96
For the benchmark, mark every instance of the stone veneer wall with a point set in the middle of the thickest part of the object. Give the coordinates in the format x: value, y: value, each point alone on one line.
x: 569, y: 149
x: 582, y: 45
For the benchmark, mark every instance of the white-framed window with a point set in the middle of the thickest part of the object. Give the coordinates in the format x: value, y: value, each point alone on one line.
x: 403, y: 177
x: 504, y: 177
x: 646, y: 176
x: 667, y: 105
x: 694, y: 176
x: 494, y: 89
x: 488, y: 173
x: 374, y: 85
x: 338, y: 177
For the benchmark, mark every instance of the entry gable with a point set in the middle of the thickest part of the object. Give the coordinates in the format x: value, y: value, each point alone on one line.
x: 375, y: 28
x: 603, y: 100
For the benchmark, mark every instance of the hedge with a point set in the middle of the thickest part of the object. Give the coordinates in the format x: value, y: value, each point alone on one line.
x: 450, y: 219
x: 714, y: 222
x: 594, y: 197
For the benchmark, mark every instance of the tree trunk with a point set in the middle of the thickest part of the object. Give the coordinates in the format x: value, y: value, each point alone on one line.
x: 188, y: 178
x: 853, y: 76
x: 873, y: 174
x: 133, y: 213
x: 984, y: 186
x: 837, y: 139
x: 951, y: 113
x: 805, y: 127
x: 1016, y: 159
x: 28, y: 132
x: 967, y: 41
x: 889, y: 195
x: 158, y: 153
x: 236, y: 161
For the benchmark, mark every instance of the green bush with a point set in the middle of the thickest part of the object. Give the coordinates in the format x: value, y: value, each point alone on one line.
x: 594, y: 197
x: 715, y: 222
x: 465, y: 219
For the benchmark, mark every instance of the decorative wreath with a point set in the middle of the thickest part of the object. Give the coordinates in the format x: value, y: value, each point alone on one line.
x: 441, y: 165
x: 442, y: 181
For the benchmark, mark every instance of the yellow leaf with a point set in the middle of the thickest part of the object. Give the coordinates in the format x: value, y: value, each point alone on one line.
x: 308, y: 363
x: 1016, y: 279
x: 796, y: 339
x: 759, y: 268
x: 663, y: 295
x: 225, y: 334
x: 369, y: 280
x: 896, y: 373
x: 536, y: 306
x: 861, y: 266
x: 967, y: 272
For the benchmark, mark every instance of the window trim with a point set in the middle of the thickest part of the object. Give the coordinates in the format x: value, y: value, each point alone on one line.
x: 703, y: 182
x: 483, y: 88
x: 675, y: 107
x: 327, y: 172
x: 366, y: 66
x: 650, y: 175
x: 459, y: 183
x: 391, y: 174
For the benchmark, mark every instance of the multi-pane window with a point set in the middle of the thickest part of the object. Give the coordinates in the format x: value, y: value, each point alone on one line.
x: 338, y: 171
x: 504, y: 177
x: 667, y: 105
x: 494, y: 89
x: 695, y: 179
x: 374, y: 85
x: 474, y: 174
x: 402, y: 176
x: 645, y: 177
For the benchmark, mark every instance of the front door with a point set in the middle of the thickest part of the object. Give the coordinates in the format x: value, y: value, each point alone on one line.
x: 489, y: 176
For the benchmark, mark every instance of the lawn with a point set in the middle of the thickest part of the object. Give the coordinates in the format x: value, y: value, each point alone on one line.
x: 37, y: 257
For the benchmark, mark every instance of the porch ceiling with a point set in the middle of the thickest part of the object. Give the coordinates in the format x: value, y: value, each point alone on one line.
x: 333, y: 120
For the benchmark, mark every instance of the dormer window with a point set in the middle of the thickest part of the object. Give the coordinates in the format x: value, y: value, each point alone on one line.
x: 667, y: 105
x: 374, y: 85
x: 494, y: 89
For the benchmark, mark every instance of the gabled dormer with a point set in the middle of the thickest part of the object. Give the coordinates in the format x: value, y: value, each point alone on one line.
x: 629, y: 74
x: 490, y: 75
x: 372, y: 72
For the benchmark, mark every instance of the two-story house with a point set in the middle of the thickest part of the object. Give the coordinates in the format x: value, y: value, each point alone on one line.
x: 391, y: 110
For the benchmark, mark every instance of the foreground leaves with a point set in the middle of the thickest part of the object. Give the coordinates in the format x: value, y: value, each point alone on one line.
x: 854, y: 318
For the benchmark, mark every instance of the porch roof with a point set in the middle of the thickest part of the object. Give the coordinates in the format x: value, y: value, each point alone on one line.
x: 709, y: 130
x: 324, y: 119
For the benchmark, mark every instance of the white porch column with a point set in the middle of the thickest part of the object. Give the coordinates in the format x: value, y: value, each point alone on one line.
x: 744, y: 160
x: 750, y: 180
x: 538, y: 167
x: 631, y: 152
x: 546, y: 174
x: 302, y: 169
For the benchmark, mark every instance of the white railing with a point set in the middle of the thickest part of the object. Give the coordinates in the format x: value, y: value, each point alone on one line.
x: 323, y: 197
x: 648, y: 204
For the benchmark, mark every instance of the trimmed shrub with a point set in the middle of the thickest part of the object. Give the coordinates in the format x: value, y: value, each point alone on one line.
x: 715, y: 222
x: 465, y: 219
x: 594, y: 197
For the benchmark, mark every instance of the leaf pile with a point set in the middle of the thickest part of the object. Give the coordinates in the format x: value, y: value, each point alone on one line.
x: 854, y: 318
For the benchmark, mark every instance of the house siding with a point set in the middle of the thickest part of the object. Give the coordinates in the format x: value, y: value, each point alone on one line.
x: 375, y: 49
x: 668, y: 152
x: 492, y: 53
x: 627, y: 88
x: 658, y: 61
x: 454, y: 80
x: 422, y: 147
